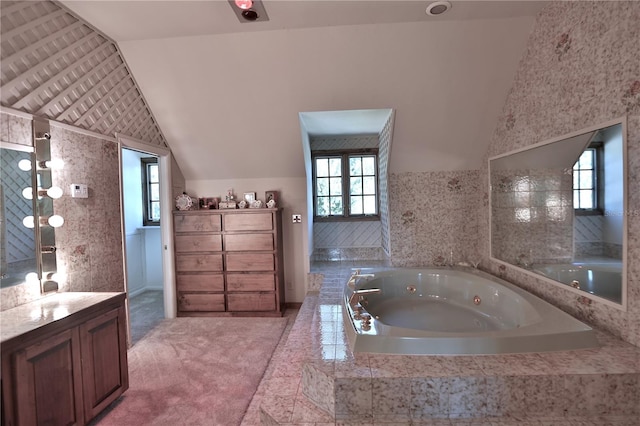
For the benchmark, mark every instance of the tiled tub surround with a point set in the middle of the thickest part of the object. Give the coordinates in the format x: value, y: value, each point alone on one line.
x: 316, y: 379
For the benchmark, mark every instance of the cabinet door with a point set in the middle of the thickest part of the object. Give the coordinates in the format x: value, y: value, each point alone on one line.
x: 248, y: 242
x: 104, y: 360
x: 198, y: 222
x: 248, y: 222
x: 48, y: 381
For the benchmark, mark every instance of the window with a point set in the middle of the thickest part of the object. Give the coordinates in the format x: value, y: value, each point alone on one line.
x: 587, y: 182
x: 345, y: 185
x: 150, y: 192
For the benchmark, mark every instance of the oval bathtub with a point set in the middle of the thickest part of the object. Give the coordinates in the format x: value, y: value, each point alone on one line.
x: 454, y: 312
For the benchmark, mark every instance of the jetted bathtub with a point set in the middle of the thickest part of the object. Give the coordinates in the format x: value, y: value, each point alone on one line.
x: 601, y: 279
x: 454, y: 312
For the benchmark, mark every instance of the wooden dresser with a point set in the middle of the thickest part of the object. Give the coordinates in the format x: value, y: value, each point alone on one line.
x: 229, y: 262
x: 64, y: 358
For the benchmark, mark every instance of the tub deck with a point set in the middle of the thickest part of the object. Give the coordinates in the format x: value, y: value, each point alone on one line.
x: 315, y: 379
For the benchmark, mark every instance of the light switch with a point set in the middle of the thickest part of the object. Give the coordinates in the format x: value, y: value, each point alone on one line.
x: 79, y: 190
x: 296, y: 218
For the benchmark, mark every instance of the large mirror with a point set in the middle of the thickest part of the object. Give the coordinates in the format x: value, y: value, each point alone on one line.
x: 558, y: 211
x: 17, y: 241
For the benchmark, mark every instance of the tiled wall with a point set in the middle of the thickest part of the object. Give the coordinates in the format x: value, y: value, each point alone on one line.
x: 526, y: 203
x: 383, y: 155
x: 434, y: 217
x: 580, y: 69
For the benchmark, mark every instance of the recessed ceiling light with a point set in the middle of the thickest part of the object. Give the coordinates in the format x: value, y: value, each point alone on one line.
x: 438, y: 8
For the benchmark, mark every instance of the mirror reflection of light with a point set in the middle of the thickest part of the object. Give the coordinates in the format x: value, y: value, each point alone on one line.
x: 32, y: 277
x: 28, y: 193
x: 24, y: 165
x: 28, y: 222
x: 523, y: 215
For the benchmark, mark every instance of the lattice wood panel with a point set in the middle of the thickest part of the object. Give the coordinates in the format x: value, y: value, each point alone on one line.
x: 54, y: 65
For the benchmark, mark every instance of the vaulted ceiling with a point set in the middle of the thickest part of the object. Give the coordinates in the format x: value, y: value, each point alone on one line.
x: 227, y: 95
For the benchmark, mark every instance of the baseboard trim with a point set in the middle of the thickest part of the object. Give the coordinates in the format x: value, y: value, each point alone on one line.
x: 293, y: 305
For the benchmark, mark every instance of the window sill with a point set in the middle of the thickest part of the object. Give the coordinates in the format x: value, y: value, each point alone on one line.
x: 347, y: 219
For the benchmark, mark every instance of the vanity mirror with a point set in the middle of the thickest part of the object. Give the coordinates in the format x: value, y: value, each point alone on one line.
x: 558, y: 211
x: 17, y: 241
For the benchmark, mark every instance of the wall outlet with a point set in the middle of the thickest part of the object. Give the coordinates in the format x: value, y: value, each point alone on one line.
x: 296, y: 218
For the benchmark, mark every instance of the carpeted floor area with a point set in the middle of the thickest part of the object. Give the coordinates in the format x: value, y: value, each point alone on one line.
x: 195, y: 371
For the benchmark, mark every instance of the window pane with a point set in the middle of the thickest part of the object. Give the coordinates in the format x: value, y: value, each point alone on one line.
x: 153, y: 173
x: 322, y: 206
x: 586, y: 179
x: 369, y: 184
x: 335, y: 167
x: 154, y: 190
x: 155, y: 211
x: 356, y: 186
x: 336, y: 186
x: 586, y: 159
x: 369, y: 204
x: 322, y: 167
x: 322, y: 186
x: 368, y: 165
x: 355, y: 166
x: 576, y: 180
x: 336, y: 206
x: 356, y: 205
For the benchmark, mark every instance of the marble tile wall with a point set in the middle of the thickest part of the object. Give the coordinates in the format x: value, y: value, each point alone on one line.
x: 434, y: 217
x: 579, y: 69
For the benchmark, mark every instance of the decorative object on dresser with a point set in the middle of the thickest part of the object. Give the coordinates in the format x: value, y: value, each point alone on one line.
x: 249, y: 197
x: 186, y: 202
x: 229, y: 262
x: 66, y: 365
x: 209, y: 203
x: 271, y: 196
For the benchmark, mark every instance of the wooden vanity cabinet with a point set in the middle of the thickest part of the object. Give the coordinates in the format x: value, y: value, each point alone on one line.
x: 229, y: 262
x: 66, y: 371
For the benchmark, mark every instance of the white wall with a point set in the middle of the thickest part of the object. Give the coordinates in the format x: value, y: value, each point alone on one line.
x: 293, y: 200
x: 143, y: 244
x: 612, y: 229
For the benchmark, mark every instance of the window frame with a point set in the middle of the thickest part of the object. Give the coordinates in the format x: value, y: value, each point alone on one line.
x: 344, y: 155
x: 598, y: 184
x: 145, y: 163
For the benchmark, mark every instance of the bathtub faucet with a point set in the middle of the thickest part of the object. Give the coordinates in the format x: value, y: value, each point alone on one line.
x: 352, y: 281
x: 359, y: 295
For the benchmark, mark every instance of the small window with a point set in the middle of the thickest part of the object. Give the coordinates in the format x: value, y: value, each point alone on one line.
x: 587, y: 181
x: 150, y: 192
x: 346, y: 185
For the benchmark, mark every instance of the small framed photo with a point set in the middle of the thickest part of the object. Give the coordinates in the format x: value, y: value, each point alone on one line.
x: 249, y: 197
x: 271, y: 196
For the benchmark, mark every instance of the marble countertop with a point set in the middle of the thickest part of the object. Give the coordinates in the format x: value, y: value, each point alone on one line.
x: 30, y: 316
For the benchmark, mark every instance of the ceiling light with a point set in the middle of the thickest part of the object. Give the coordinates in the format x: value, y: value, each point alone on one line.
x: 249, y: 10
x: 244, y: 4
x: 438, y: 8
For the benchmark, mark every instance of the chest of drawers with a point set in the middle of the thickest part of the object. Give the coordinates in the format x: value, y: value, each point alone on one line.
x: 229, y: 262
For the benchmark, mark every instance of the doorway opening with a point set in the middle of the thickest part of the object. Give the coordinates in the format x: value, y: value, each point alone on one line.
x: 143, y: 241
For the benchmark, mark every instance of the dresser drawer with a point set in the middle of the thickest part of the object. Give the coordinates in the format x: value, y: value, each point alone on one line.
x: 191, y: 243
x: 205, y: 222
x: 198, y: 262
x: 199, y: 282
x: 200, y: 302
x: 248, y: 222
x: 251, y: 282
x: 250, y: 262
x: 248, y: 242
x: 251, y: 301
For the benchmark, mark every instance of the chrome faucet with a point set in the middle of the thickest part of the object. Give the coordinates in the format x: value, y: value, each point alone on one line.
x: 352, y: 280
x: 358, y: 295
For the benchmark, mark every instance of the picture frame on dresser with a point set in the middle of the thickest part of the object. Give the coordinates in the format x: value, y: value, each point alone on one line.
x: 271, y: 195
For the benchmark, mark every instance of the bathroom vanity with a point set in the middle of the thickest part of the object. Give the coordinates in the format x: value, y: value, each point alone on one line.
x: 64, y: 358
x: 229, y: 262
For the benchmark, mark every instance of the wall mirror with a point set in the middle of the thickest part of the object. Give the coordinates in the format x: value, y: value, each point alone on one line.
x: 17, y: 242
x: 558, y: 211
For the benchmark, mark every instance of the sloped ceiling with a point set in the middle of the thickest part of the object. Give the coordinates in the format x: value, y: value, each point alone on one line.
x: 227, y: 95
